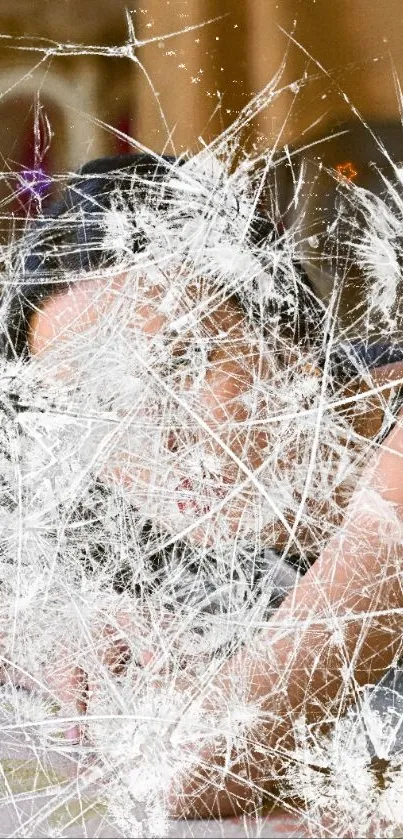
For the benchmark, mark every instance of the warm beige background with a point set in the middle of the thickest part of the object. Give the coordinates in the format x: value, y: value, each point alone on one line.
x: 182, y: 70
x: 201, y: 78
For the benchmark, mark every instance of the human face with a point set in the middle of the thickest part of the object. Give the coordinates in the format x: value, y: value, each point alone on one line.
x: 195, y: 439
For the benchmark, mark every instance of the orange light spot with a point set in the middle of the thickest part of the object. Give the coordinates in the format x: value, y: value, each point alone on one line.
x: 311, y: 370
x: 347, y: 171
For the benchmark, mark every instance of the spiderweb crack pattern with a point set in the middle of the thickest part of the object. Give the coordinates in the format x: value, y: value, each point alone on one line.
x: 140, y: 559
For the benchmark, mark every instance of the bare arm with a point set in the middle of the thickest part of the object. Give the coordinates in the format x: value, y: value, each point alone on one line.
x: 354, y: 587
x: 340, y: 629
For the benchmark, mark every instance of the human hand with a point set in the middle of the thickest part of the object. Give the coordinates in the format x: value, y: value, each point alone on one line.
x: 211, y: 741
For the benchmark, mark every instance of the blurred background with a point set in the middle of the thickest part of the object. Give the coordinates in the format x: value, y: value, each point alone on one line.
x: 80, y: 78
x: 67, y: 72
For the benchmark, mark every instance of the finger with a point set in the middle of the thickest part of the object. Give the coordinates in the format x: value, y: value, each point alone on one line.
x: 61, y: 683
x: 112, y: 649
x: 129, y: 640
x: 68, y: 685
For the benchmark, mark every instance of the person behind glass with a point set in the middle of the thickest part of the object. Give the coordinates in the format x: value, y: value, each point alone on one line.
x: 71, y: 283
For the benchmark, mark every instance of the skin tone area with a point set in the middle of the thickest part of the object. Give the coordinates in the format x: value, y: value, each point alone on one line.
x: 221, y: 417
x: 356, y: 580
x: 355, y: 587
x: 233, y: 361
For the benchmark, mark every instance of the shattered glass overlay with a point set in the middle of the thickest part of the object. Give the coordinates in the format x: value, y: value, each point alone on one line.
x: 171, y: 464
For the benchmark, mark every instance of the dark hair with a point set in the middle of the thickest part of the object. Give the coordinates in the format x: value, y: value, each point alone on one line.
x: 69, y: 238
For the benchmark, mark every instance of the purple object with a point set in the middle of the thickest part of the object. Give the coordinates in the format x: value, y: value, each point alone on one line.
x: 35, y: 181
